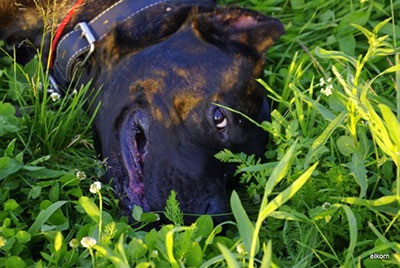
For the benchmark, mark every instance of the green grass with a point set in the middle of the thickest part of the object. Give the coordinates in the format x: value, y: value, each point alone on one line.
x: 328, y: 194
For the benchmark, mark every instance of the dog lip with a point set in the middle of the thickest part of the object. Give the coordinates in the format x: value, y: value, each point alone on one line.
x: 134, y: 149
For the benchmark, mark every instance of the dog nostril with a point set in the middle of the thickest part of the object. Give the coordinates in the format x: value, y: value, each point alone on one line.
x: 218, y: 209
x: 208, y: 209
x: 140, y: 140
x: 215, y: 206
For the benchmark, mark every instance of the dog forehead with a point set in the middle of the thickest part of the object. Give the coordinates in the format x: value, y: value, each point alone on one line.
x: 186, y: 61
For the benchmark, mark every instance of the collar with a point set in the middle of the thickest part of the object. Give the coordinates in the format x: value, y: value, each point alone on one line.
x: 61, y: 28
x: 73, y: 50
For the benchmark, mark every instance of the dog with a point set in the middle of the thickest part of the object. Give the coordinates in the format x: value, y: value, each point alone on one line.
x: 167, y: 70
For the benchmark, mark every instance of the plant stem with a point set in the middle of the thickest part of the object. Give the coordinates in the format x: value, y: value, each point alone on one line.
x: 92, y: 255
x: 398, y: 182
x: 100, y: 216
x: 257, y: 229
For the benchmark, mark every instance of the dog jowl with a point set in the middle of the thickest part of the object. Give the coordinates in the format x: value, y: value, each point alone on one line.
x: 166, y: 73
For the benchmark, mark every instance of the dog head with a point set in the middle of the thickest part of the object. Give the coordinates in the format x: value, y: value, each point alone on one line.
x: 164, y: 95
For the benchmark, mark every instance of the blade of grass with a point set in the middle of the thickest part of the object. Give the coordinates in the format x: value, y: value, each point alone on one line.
x: 90, y: 208
x: 118, y: 261
x: 267, y: 258
x: 212, y: 261
x: 326, y: 113
x: 321, y: 140
x: 353, y: 235
x: 384, y: 200
x: 169, y: 243
x: 229, y: 257
x: 288, y: 193
x: 245, y: 227
x: 44, y: 215
x: 382, y: 238
x: 278, y: 201
x: 279, y: 172
x: 337, y: 55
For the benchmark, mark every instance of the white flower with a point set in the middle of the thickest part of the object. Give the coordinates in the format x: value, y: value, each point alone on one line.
x: 154, y: 254
x: 95, y: 187
x: 3, y: 241
x: 55, y: 96
x: 88, y: 242
x: 327, y: 91
x: 321, y: 82
x: 80, y: 175
x: 326, y: 206
x: 74, y: 243
x: 240, y: 249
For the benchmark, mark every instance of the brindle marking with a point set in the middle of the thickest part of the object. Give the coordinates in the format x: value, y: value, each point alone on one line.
x: 161, y: 73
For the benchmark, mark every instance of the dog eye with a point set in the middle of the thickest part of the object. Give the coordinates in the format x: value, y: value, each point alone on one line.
x: 220, y: 119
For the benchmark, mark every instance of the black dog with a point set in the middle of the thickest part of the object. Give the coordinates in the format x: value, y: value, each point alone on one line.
x: 162, y: 67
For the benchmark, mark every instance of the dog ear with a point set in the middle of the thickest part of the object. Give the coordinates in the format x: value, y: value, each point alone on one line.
x: 239, y: 27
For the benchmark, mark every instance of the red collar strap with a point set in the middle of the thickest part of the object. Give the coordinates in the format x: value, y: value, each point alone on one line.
x: 61, y: 28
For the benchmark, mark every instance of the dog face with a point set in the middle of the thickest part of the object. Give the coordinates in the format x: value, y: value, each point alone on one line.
x: 164, y: 75
x: 160, y: 124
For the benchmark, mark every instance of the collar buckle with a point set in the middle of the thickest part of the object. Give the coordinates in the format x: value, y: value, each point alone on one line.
x: 87, y: 33
x: 53, y: 86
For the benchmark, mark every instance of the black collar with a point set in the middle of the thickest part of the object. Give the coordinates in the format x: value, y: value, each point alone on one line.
x: 75, y: 48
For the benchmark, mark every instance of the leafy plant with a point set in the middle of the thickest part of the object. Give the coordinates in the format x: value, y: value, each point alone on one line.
x: 173, y: 211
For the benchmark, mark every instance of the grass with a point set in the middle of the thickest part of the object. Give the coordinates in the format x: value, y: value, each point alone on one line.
x: 328, y: 194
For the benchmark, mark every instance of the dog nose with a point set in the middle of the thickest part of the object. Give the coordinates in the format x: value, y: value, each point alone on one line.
x: 218, y: 210
x: 216, y: 205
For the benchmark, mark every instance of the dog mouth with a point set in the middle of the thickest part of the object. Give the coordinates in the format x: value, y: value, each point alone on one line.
x: 134, y: 149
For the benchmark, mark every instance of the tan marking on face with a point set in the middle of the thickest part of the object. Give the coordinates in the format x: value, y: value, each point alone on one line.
x: 158, y: 114
x: 240, y: 38
x: 181, y: 72
x: 258, y: 69
x: 185, y: 103
x: 264, y: 44
x: 230, y: 76
x: 251, y: 87
x: 194, y: 80
x: 149, y: 86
